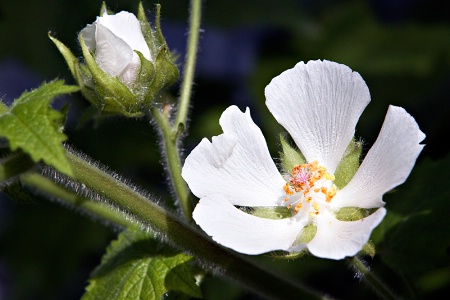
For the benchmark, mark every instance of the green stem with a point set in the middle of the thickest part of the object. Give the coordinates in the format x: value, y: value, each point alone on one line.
x: 172, y: 133
x: 173, y: 162
x: 189, y: 68
x: 372, y: 280
x: 187, y: 238
x: 93, y: 208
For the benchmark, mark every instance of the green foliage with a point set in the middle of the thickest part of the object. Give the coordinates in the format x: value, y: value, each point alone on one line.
x: 136, y: 266
x: 33, y: 126
x: 415, y: 234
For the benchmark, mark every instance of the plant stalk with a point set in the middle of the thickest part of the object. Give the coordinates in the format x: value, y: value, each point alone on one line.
x: 189, y: 68
x: 173, y: 162
x: 93, y: 208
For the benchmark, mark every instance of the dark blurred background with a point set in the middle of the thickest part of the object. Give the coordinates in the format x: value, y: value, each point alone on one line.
x: 400, y: 47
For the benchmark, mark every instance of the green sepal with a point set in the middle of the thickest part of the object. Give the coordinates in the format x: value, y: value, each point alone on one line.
x: 103, y: 9
x: 166, y: 71
x: 70, y: 59
x: 348, y: 165
x: 33, y: 126
x: 368, y: 249
x: 145, y: 79
x: 147, y: 31
x: 290, y: 157
x: 137, y: 266
x: 278, y: 212
x: 289, y: 255
x: 353, y: 213
x: 306, y: 235
x: 159, y: 34
x: 113, y: 96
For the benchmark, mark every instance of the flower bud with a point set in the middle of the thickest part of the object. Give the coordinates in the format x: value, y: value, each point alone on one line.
x: 126, y: 62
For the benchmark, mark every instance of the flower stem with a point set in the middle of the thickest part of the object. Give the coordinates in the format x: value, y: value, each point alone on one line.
x: 172, y: 133
x: 187, y: 238
x: 372, y: 279
x: 173, y: 162
x: 189, y: 68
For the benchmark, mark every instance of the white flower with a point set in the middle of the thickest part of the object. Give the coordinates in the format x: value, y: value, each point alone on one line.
x: 114, y: 38
x: 319, y: 104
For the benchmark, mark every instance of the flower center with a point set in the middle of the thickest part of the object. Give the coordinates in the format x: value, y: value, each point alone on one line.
x: 309, y: 186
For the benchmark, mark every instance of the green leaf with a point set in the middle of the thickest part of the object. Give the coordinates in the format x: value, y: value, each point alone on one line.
x: 33, y: 126
x: 3, y: 108
x: 136, y: 266
x: 414, y: 237
x: 290, y: 157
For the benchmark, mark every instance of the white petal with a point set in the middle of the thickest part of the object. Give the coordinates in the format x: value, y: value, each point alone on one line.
x: 337, y: 239
x: 88, y: 34
x: 319, y: 104
x: 242, y: 232
x: 237, y: 164
x: 387, y: 164
x: 126, y: 26
x: 129, y: 74
x: 112, y: 54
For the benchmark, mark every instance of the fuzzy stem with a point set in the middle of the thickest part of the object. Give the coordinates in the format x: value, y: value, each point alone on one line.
x: 173, y: 162
x: 189, y: 68
x: 372, y: 279
x: 187, y: 238
x: 94, y: 208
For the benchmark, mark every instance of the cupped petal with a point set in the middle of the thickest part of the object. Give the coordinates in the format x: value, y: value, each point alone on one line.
x: 337, y: 239
x: 237, y: 164
x: 242, y: 232
x: 112, y: 54
x: 88, y: 34
x: 129, y: 74
x: 387, y: 164
x: 126, y: 26
x: 319, y: 104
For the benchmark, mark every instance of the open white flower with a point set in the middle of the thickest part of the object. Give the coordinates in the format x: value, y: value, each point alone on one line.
x: 319, y: 104
x: 114, y: 38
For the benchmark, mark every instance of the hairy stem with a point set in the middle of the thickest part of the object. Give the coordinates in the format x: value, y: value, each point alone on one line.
x: 187, y: 238
x: 172, y: 133
x: 371, y: 279
x: 189, y: 68
x: 94, y: 208
x: 174, y: 162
